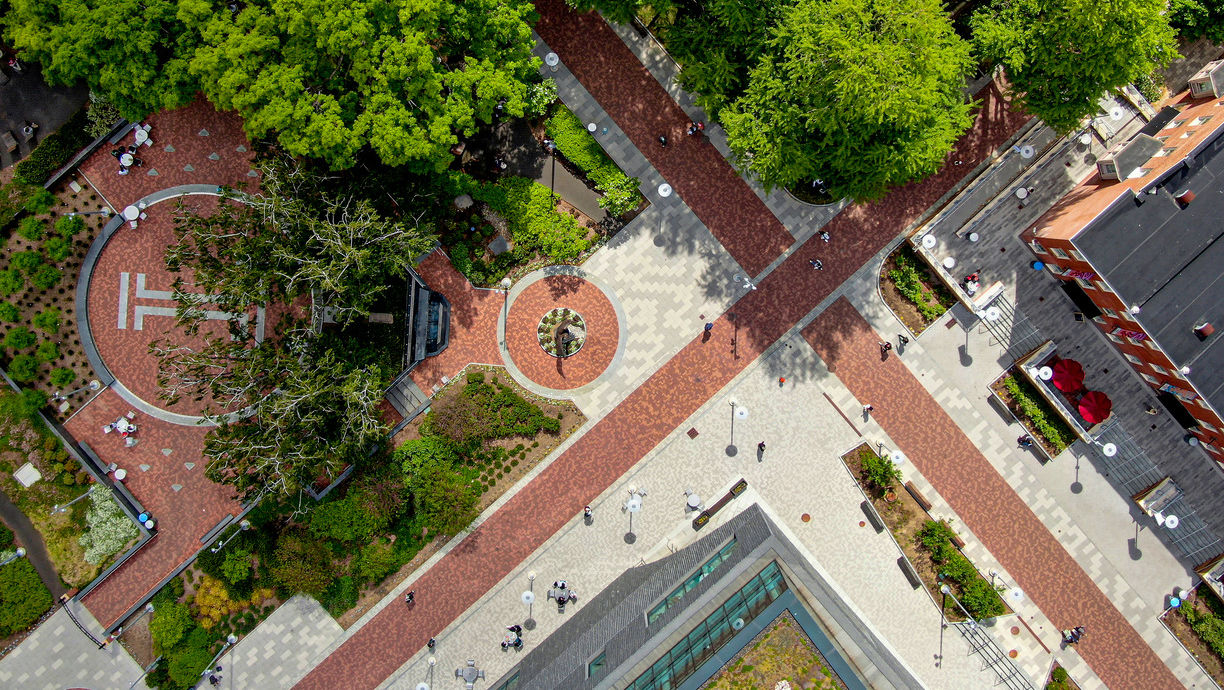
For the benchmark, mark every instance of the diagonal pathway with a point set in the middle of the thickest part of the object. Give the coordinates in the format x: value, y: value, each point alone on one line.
x: 643, y: 110
x: 989, y: 507
x: 650, y: 413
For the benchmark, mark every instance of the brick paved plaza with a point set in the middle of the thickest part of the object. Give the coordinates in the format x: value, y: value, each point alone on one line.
x: 796, y: 353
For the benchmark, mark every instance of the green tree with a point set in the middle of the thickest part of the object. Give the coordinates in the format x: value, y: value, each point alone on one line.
x: 67, y: 226
x: 133, y: 53
x: 301, y: 564
x: 46, y: 277
x: 11, y: 281
x: 9, y: 312
x: 1198, y: 19
x: 441, y: 497
x: 237, y: 565
x: 47, y: 351
x: 407, y: 79
x: 48, y: 320
x: 62, y: 377
x: 862, y: 95
x: 57, y: 248
x: 19, y: 338
x: 1061, y: 56
x: 170, y: 623
x: 27, y: 262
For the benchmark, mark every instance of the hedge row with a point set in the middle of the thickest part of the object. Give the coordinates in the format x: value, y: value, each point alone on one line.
x: 977, y: 596
x: 580, y: 148
x: 53, y: 152
x: 534, y: 221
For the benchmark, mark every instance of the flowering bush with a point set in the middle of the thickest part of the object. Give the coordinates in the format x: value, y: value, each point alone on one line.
x: 108, y: 528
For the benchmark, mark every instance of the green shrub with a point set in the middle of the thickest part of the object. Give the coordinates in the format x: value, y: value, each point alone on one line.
x: 40, y: 201
x: 6, y: 537
x: 62, y: 377
x: 236, y: 567
x: 47, y: 351
x: 340, y: 596
x: 620, y: 192
x: 1208, y: 626
x: 108, y: 528
x: 23, y: 368
x: 68, y: 226
x: 31, y: 228
x: 1050, y: 426
x: 880, y: 472
x: 101, y: 115
x: 23, y: 596
x: 1059, y: 675
x: 187, y: 664
x: 11, y: 282
x: 540, y: 97
x: 27, y: 262
x: 909, y: 278
x: 57, y: 248
x: 46, y: 277
x: 19, y: 338
x: 47, y: 320
x: 534, y: 222
x: 9, y: 312
x: 981, y: 600
x: 301, y: 564
x: 54, y: 151
x: 13, y: 198
x: 376, y: 561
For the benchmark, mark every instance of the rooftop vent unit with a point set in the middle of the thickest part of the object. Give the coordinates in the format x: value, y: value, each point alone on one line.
x: 1184, y: 197
x: 1209, y: 81
x: 1203, y: 330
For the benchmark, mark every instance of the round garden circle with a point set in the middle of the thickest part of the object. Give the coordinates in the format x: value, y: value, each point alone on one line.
x: 562, y: 332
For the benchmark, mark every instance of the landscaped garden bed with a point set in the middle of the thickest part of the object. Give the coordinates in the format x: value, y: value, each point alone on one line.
x: 929, y: 545
x: 781, y: 652
x: 562, y: 332
x: 1035, y: 414
x: 1060, y: 680
x: 1199, y: 625
x: 913, y: 293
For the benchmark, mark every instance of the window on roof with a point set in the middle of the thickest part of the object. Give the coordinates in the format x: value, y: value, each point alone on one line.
x: 1163, y: 138
x: 1058, y: 252
x: 1167, y: 151
x: 1201, y: 120
x: 691, y: 582
x: 1132, y: 359
x: 1113, y: 337
x: 1138, y: 172
x: 1174, y: 124
x: 598, y: 665
x: 1148, y: 378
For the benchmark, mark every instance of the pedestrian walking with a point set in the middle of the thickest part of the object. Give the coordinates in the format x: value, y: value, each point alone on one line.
x: 1025, y: 441
x: 410, y: 597
x: 885, y: 346
x: 431, y: 644
x: 586, y: 512
x: 692, y: 128
x: 709, y: 327
x: 663, y: 140
x: 14, y: 64
x: 824, y: 235
x: 817, y: 264
x: 761, y: 447
x: 902, y: 339
x: 867, y: 409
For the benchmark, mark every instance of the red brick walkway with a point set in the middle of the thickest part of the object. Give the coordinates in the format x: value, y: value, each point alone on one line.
x: 584, y: 366
x: 983, y: 500
x: 668, y: 397
x: 473, y: 324
x: 643, y: 110
x: 183, y: 516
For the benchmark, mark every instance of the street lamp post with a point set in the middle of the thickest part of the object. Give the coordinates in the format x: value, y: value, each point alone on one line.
x: 93, y: 386
x: 146, y: 672
x: 99, y: 212
x: 242, y: 527
x: 551, y: 147
x: 64, y: 508
x: 631, y: 506
x: 20, y: 553
x: 230, y: 640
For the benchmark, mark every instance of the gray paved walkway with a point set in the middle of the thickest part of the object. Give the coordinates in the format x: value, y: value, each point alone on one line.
x: 27, y: 97
x: 58, y: 656
x: 525, y: 157
x: 30, y: 538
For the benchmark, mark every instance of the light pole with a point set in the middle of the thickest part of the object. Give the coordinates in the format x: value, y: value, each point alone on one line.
x: 64, y: 508
x: 20, y: 553
x: 230, y: 640
x: 551, y: 147
x: 148, y: 608
x: 99, y: 212
x: 631, y: 506
x: 93, y: 386
x: 146, y: 672
x: 242, y: 527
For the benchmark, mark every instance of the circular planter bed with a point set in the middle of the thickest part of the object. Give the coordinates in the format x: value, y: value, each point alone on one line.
x: 561, y: 332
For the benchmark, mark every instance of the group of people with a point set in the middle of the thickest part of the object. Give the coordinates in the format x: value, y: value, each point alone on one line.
x: 515, y: 640
x: 130, y: 152
x: 971, y: 283
x: 1025, y: 441
x: 695, y: 127
x: 14, y: 64
x: 29, y: 128
x: 1073, y: 635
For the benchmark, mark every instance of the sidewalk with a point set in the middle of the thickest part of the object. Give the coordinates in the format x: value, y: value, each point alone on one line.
x: 58, y: 655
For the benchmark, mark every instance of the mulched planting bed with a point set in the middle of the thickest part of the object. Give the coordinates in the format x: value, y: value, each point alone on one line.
x: 905, y: 277
x: 1205, y: 604
x: 1052, y: 442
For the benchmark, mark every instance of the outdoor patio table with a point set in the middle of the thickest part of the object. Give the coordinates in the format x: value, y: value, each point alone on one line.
x: 511, y: 638
x: 126, y: 159
x: 131, y: 213
x: 693, y: 501
x: 141, y: 135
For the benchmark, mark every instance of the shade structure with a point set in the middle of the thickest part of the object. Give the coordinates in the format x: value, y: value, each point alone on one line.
x: 1094, y: 407
x: 1068, y: 375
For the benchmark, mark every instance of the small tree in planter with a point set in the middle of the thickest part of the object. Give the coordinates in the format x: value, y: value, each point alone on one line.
x: 881, y: 472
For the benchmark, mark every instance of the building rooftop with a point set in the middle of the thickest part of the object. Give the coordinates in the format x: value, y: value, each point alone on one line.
x: 1165, y: 257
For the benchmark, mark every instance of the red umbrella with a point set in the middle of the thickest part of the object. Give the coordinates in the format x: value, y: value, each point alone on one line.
x: 1094, y: 407
x: 1068, y: 375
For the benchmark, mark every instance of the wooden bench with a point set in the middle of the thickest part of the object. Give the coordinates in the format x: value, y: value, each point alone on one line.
x: 917, y: 496
x: 10, y: 143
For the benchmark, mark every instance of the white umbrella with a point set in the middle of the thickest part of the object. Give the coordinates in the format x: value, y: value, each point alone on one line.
x: 528, y: 598
x: 1015, y: 595
x: 1109, y: 450
x: 741, y: 412
x: 1172, y: 522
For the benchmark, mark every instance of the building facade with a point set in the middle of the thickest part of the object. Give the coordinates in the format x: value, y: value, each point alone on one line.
x: 1138, y: 246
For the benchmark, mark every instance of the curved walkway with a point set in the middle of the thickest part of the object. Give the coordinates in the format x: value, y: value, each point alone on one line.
x: 32, y: 541
x: 680, y: 386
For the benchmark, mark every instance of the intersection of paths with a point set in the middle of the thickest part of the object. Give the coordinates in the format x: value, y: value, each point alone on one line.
x: 981, y: 498
x: 676, y: 390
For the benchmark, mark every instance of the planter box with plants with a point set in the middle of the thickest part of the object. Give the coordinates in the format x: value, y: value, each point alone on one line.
x: 1030, y: 409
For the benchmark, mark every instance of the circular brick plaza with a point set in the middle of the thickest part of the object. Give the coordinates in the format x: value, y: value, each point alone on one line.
x: 602, y: 332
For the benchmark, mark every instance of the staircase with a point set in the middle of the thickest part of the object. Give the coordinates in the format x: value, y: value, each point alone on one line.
x: 407, y: 399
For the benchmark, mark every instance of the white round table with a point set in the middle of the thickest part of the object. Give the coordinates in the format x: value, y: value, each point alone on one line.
x: 1085, y: 139
x: 1109, y: 450
x: 928, y: 241
x: 126, y: 159
x: 693, y: 501
x: 1022, y: 193
x: 949, y: 262
x: 591, y: 127
x: 120, y: 475
x: 1027, y: 151
x: 141, y: 135
x: 1045, y: 373
x: 665, y: 190
x: 131, y: 213
x: 974, y: 237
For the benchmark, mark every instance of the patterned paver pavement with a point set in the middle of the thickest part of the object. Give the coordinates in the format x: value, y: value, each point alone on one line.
x: 602, y: 332
x: 989, y: 507
x: 165, y: 472
x: 644, y: 111
x: 652, y: 411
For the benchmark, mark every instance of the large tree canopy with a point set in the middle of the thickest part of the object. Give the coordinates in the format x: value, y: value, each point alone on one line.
x: 134, y: 52
x: 406, y: 78
x: 862, y: 94
x: 1063, y: 55
x: 1198, y: 19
